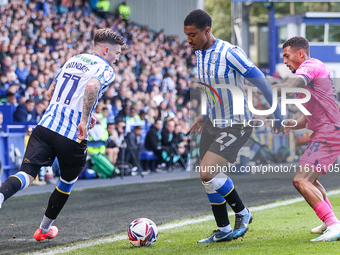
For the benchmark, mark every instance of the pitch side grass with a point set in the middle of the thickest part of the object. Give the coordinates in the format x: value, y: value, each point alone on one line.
x: 281, y: 230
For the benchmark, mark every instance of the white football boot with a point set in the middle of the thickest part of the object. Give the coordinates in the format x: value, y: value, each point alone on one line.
x: 332, y: 233
x: 319, y: 229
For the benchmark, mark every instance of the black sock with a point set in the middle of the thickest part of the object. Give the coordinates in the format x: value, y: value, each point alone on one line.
x: 235, y: 201
x: 55, y: 204
x: 11, y: 186
x: 220, y: 214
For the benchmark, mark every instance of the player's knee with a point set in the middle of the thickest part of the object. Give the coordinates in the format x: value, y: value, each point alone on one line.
x: 65, y: 187
x: 298, y: 183
x: 206, y: 178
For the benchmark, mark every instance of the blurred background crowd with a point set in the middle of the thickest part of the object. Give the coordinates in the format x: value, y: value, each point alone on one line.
x: 152, y: 77
x: 148, y: 107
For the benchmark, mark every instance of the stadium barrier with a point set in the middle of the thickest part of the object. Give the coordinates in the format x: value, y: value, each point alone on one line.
x: 12, y: 141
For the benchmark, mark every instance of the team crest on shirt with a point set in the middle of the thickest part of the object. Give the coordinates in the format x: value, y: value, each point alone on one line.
x: 214, y: 57
x: 107, y: 76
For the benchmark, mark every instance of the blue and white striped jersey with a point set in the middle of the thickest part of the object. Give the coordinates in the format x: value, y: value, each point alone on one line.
x: 64, y: 112
x: 224, y: 64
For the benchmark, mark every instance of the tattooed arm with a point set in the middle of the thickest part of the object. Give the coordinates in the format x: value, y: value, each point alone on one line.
x: 293, y: 82
x: 90, y: 97
x: 51, y: 89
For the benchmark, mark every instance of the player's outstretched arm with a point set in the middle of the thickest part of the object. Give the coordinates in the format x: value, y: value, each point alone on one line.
x: 90, y: 97
x: 293, y: 82
x: 256, y: 77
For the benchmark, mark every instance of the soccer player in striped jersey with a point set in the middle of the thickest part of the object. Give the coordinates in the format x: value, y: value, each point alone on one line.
x: 62, y: 131
x: 223, y: 66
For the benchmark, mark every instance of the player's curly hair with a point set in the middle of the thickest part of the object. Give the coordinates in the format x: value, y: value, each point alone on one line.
x: 107, y: 35
x: 298, y: 42
x: 199, y: 18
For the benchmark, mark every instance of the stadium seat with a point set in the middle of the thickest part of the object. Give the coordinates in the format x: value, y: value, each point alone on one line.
x: 149, y: 156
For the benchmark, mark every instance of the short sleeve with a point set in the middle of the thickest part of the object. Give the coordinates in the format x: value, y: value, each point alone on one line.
x: 56, y: 78
x: 239, y: 61
x: 307, y: 71
x: 105, y: 75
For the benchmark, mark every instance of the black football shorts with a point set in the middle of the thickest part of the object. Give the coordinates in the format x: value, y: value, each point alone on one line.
x: 225, y: 142
x: 44, y: 145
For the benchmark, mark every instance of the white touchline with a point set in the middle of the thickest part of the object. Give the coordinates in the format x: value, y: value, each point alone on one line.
x: 170, y: 226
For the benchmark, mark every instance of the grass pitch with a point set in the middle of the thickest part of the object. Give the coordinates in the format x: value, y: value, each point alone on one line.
x: 281, y: 230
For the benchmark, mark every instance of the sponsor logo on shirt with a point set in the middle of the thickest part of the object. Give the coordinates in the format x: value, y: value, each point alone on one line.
x: 207, y: 72
x: 305, y: 69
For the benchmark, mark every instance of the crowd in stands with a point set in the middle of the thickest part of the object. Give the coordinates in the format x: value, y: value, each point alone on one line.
x: 149, y: 101
x: 152, y: 77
